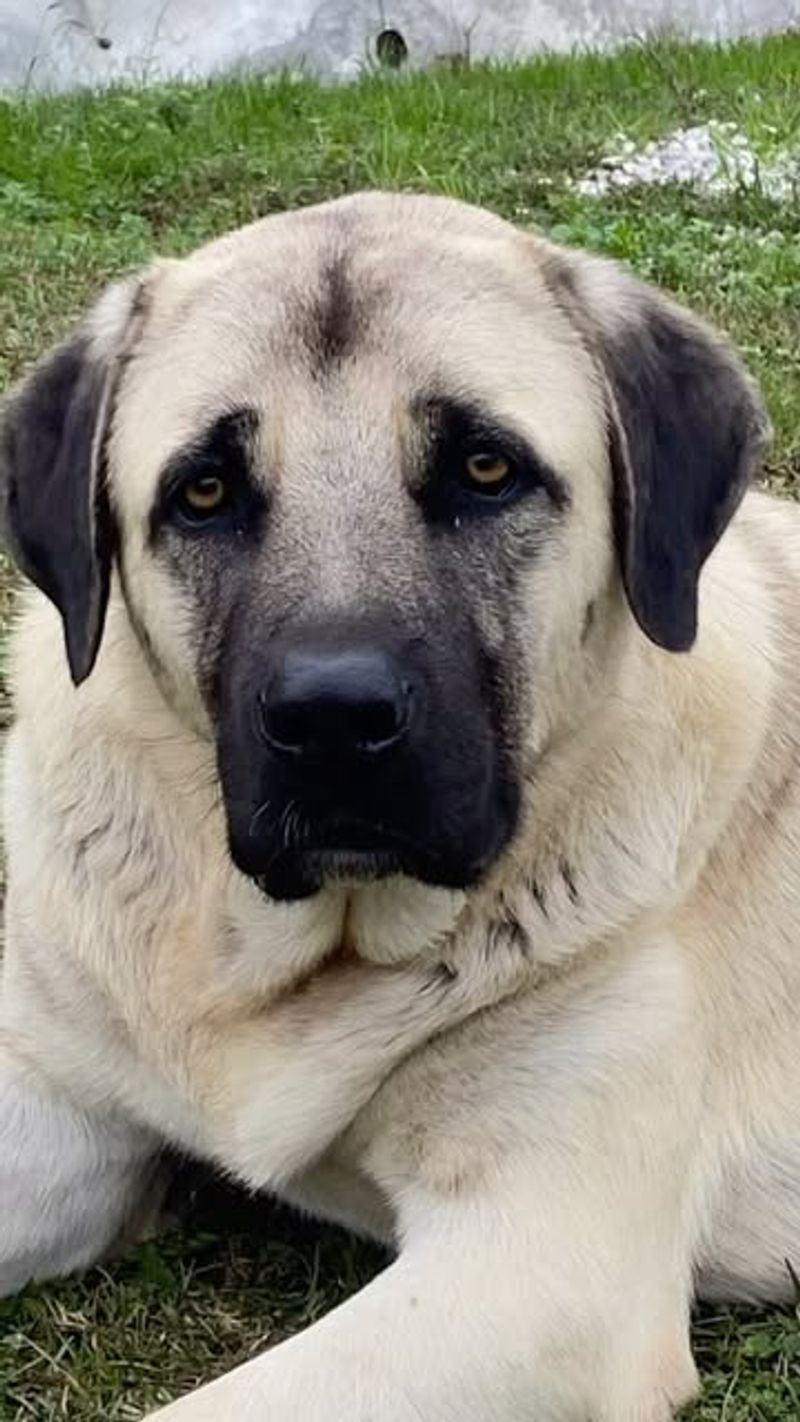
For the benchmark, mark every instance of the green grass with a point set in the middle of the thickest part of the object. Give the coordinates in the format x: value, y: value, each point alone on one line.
x: 172, y: 1314
x: 91, y: 185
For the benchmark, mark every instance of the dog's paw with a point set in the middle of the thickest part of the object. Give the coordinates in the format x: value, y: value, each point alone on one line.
x: 486, y: 963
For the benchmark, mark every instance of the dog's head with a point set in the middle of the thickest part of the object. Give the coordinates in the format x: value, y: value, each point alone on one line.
x: 374, y: 477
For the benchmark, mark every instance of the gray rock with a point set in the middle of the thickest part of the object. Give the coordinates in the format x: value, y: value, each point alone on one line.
x: 715, y: 156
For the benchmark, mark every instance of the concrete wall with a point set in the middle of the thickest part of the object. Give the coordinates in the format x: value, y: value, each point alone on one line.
x: 72, y: 42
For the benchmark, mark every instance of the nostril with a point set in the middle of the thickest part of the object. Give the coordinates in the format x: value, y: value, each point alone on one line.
x: 285, y: 724
x: 379, y: 724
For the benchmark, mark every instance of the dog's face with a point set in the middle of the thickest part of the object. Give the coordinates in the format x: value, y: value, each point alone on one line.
x: 374, y: 476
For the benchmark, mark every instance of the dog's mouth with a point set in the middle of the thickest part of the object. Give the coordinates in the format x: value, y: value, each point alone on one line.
x: 347, y: 853
x: 343, y: 853
x: 298, y: 876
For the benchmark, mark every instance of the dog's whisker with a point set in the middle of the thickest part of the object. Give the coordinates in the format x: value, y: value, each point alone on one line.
x: 256, y: 821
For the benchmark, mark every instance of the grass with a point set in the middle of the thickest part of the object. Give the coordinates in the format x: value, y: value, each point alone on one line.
x: 172, y: 1314
x: 91, y: 185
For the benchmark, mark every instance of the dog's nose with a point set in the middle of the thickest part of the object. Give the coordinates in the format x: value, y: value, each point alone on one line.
x: 343, y: 702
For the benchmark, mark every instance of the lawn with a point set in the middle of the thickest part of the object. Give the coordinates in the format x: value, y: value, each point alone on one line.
x: 91, y: 185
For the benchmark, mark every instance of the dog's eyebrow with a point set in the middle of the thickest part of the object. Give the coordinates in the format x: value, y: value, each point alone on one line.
x: 225, y: 445
x: 451, y: 423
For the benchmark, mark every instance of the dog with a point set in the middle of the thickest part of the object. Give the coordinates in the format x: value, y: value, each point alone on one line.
x: 402, y: 805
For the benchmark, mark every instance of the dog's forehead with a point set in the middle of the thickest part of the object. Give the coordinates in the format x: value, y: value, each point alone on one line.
x: 327, y: 283
x: 386, y: 301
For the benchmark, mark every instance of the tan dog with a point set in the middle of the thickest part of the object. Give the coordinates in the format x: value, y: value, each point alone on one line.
x: 398, y: 840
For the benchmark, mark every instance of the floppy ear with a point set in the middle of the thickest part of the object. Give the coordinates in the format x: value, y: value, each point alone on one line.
x: 686, y: 429
x: 686, y: 432
x: 57, y: 518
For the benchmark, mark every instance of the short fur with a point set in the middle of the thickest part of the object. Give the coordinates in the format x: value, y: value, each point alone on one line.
x: 548, y: 1046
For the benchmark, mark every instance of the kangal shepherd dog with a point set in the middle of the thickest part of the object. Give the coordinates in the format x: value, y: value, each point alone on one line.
x: 402, y: 806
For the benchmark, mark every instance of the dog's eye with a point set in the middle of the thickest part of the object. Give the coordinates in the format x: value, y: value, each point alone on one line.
x: 203, y: 497
x: 486, y: 471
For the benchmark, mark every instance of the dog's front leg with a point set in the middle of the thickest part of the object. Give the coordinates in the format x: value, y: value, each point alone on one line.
x: 278, y: 1088
x: 549, y: 1179
x: 72, y: 1181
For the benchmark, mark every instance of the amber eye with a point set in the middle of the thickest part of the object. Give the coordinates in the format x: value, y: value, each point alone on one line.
x: 488, y: 472
x: 204, y: 496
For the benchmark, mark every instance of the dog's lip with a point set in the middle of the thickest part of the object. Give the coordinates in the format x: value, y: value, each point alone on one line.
x: 297, y: 874
x: 347, y: 853
x: 335, y: 850
x: 353, y: 837
x: 327, y: 830
x: 347, y: 863
x: 357, y: 853
x: 353, y: 852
